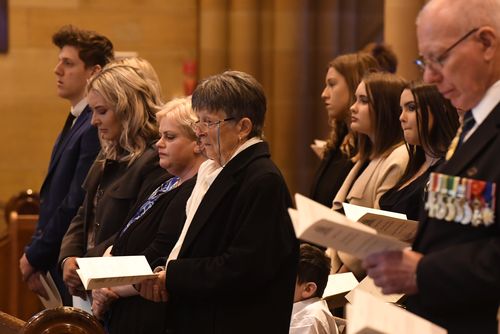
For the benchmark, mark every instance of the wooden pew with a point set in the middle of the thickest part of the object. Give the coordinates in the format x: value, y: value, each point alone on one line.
x: 10, y: 324
x: 5, y: 267
x: 61, y: 320
x: 22, y: 302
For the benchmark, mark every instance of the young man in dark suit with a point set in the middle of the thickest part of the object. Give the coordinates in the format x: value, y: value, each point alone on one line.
x: 82, y: 53
x: 452, y: 275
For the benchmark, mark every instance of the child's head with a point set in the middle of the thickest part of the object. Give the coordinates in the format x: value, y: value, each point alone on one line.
x: 312, y: 273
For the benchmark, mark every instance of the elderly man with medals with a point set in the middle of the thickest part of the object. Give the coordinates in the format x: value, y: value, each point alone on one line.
x: 452, y: 274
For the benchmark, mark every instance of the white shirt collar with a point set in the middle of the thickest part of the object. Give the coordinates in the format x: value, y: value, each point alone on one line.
x: 78, y: 108
x: 245, y: 145
x: 487, y: 104
x: 207, y: 173
x: 299, y: 306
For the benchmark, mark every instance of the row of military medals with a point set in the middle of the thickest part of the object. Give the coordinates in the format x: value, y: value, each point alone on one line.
x: 462, y: 200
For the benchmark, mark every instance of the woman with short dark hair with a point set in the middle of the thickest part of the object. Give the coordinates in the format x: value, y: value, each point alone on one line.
x: 236, y: 258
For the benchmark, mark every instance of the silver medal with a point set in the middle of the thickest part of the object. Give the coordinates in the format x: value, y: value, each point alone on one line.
x: 450, y: 207
x: 441, y: 207
x: 467, y: 214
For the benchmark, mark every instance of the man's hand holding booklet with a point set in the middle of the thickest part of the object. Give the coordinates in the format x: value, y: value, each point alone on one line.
x: 319, y: 224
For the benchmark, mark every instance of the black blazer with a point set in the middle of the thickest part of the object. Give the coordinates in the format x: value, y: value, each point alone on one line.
x: 153, y: 235
x: 330, y: 176
x: 61, y: 194
x: 117, y: 187
x: 236, y: 269
x: 459, y: 275
x: 410, y: 199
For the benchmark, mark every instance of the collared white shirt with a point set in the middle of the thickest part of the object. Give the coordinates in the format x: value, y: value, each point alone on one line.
x: 78, y: 108
x: 312, y: 316
x: 207, y: 173
x: 485, y: 107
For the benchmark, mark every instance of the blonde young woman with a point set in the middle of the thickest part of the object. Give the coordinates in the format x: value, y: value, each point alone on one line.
x: 144, y: 67
x: 124, y: 107
x: 154, y: 224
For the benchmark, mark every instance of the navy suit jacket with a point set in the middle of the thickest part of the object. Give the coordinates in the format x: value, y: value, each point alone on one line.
x: 62, y: 194
x: 459, y: 275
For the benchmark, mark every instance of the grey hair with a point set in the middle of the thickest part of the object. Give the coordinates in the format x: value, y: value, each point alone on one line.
x: 238, y: 94
x: 468, y: 14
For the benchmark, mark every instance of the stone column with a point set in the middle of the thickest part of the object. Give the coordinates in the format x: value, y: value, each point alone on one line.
x: 213, y: 34
x: 244, y: 36
x: 290, y: 119
x: 400, y: 33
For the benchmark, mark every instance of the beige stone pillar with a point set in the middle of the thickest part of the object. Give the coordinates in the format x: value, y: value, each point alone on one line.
x: 400, y: 33
x: 289, y: 117
x: 327, y: 43
x: 213, y: 34
x: 244, y: 36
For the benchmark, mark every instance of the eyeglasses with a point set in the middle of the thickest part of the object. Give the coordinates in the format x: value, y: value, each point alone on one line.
x: 204, y: 126
x: 437, y: 63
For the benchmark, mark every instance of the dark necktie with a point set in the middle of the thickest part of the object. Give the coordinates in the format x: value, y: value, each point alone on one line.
x: 468, y: 124
x: 67, y: 127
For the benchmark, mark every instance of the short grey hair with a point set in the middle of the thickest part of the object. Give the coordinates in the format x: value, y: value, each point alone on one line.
x: 238, y: 94
x: 469, y: 14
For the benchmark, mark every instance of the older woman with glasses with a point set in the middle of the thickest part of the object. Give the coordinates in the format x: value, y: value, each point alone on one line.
x: 233, y: 268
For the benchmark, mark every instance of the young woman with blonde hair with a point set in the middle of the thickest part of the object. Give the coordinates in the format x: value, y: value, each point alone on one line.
x: 124, y: 108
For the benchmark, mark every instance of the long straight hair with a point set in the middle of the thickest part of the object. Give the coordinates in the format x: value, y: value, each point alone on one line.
x: 384, y: 92
x: 352, y: 67
x: 434, y: 140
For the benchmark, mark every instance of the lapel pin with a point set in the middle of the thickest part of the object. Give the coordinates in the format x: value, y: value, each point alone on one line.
x: 471, y: 171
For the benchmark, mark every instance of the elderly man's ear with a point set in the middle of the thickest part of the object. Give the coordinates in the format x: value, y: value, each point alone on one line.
x: 489, y: 39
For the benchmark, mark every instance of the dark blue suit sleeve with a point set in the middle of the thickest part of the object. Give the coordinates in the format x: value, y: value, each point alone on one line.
x: 44, y: 249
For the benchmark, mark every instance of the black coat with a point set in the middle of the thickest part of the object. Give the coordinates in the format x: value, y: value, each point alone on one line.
x: 153, y: 235
x: 330, y: 176
x: 459, y: 276
x: 117, y: 188
x: 236, y: 269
